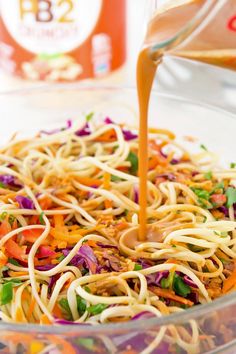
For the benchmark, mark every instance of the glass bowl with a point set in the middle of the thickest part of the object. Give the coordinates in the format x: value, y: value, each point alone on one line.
x: 44, y: 108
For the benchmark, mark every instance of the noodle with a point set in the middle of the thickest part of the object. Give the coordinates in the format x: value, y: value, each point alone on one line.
x: 69, y: 204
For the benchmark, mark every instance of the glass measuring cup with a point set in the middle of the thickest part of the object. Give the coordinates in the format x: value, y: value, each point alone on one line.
x: 202, y: 30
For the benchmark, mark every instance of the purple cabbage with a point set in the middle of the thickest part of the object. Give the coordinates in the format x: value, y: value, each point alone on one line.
x: 45, y: 267
x: 108, y: 120
x: 143, y: 315
x: 189, y: 282
x: 85, y: 256
x: 55, y: 131
x: 155, y: 278
x: 128, y: 135
x: 52, y: 282
x: 106, y: 246
x: 10, y: 181
x: 84, y: 131
x: 136, y: 195
x: 112, y: 262
x: 25, y: 203
x: 173, y: 161
x: 193, y: 297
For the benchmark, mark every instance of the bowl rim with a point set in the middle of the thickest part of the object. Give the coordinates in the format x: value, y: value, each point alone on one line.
x: 177, y: 318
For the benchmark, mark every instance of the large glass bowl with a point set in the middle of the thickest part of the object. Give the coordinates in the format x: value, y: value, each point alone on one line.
x: 30, y: 110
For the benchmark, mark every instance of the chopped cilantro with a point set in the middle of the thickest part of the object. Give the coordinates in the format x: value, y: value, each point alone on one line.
x: 81, y: 305
x: 96, y: 309
x: 11, y: 219
x: 137, y: 266
x: 2, y: 185
x: 217, y: 187
x: 14, y: 282
x: 180, y: 287
x: 166, y: 283
x: 89, y: 116
x: 61, y: 258
x: 201, y: 193
x: 14, y: 262
x: 203, y: 147
x: 231, y: 196
x: 3, y: 216
x: 6, y: 293
x: 41, y: 218
x: 65, y: 306
x: 233, y: 165
x: 208, y: 175
x: 86, y: 288
x: 133, y: 159
x: 115, y: 178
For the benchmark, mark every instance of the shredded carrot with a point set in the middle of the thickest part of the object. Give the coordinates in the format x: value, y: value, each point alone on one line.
x: 229, y: 283
x: 57, y: 311
x: 108, y: 204
x: 58, y: 221
x: 5, y: 228
x: 91, y: 243
x: 153, y: 161
x: 19, y: 315
x: 121, y: 226
x: 106, y: 181
x: 16, y: 274
x: 88, y: 181
x: 14, y: 250
x: 3, y: 259
x: 170, y: 295
x: 45, y: 203
x: 31, y: 307
x: 44, y: 320
x: 32, y: 235
x: 110, y: 135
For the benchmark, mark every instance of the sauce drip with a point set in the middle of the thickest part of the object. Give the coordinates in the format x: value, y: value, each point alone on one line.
x: 146, y: 70
x: 215, y: 45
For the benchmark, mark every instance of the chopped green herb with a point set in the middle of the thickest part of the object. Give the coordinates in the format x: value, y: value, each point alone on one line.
x: 221, y: 234
x: 231, y: 196
x: 87, y: 343
x: 174, y: 246
x: 14, y: 282
x: 89, y: 116
x: 203, y: 147
x: 13, y: 261
x: 6, y: 293
x: 61, y: 258
x: 137, y: 266
x: 217, y: 187
x: 201, y: 193
x: 223, y: 261
x: 233, y: 165
x: 166, y: 283
x: 3, y: 216
x: 208, y: 175
x: 96, y: 309
x: 2, y: 185
x: 86, y: 288
x: 65, y: 306
x: 11, y: 219
x: 133, y: 159
x: 115, y: 178
x: 180, y: 287
x: 41, y: 218
x: 81, y: 305
x: 194, y: 248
